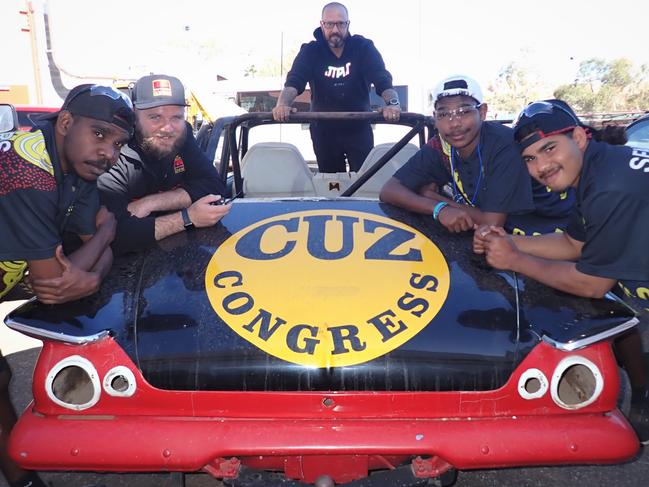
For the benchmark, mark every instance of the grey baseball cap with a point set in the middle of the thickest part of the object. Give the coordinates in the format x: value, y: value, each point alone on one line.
x: 158, y: 90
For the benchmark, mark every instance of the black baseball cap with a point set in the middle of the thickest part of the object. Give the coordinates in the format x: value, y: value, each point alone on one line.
x: 157, y: 90
x: 101, y: 103
x: 542, y: 119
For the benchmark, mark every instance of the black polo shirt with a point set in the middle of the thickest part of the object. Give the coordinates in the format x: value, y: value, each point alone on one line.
x: 135, y: 175
x: 38, y: 203
x: 612, y: 217
x: 496, y: 166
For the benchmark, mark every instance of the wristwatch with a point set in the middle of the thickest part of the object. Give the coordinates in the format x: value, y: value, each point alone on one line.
x: 186, y: 220
x: 393, y: 101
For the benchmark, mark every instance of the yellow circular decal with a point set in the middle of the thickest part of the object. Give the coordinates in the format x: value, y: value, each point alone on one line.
x: 31, y: 147
x: 327, y: 288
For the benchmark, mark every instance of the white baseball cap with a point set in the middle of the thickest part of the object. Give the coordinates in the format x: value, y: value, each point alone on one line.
x: 455, y: 85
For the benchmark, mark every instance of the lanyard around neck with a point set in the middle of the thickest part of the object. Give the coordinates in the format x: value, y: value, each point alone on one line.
x: 458, y: 195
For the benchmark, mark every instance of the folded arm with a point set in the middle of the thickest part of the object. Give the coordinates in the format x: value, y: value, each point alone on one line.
x: 60, y: 279
x: 174, y: 199
x: 455, y: 217
x: 545, y: 258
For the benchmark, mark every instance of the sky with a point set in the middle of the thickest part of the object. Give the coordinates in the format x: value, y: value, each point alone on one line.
x: 420, y: 40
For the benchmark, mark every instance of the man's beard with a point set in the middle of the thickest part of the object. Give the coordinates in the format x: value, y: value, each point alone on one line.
x: 150, y: 147
x: 336, y: 42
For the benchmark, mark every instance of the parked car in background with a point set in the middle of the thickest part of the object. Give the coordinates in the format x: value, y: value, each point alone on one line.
x: 324, y: 337
x: 638, y: 133
x: 8, y: 118
x: 28, y: 115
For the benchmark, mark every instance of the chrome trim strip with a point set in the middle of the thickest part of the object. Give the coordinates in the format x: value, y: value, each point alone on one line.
x: 51, y: 335
x: 584, y: 342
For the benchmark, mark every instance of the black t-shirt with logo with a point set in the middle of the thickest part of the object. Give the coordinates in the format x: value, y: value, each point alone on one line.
x: 38, y: 203
x: 612, y: 217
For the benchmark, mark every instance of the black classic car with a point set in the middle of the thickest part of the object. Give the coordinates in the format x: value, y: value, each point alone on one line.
x: 323, y: 336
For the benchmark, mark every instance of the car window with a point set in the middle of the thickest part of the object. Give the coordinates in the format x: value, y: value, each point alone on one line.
x: 638, y: 134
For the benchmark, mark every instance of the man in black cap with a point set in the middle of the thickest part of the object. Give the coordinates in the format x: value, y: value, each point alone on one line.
x: 47, y: 193
x: 163, y: 183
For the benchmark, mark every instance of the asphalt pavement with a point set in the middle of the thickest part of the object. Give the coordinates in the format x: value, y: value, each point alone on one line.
x: 21, y: 352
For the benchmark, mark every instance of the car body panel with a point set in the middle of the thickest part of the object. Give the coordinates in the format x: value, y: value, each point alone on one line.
x: 29, y: 115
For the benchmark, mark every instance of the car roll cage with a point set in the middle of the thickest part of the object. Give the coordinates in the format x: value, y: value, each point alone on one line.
x: 235, y: 130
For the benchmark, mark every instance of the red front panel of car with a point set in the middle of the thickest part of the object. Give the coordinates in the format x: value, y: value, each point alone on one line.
x: 187, y: 431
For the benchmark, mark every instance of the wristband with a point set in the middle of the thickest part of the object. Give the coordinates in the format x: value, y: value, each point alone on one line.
x: 187, y: 223
x: 439, y: 207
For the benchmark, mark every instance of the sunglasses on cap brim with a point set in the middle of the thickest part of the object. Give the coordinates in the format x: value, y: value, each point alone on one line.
x: 100, y: 90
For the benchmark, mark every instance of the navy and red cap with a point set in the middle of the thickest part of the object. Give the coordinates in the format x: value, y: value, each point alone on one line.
x: 101, y: 103
x: 542, y: 119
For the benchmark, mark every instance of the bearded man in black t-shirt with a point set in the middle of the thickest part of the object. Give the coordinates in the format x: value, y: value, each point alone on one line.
x: 339, y: 68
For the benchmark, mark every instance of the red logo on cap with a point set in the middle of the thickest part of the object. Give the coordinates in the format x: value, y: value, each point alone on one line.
x: 161, y: 87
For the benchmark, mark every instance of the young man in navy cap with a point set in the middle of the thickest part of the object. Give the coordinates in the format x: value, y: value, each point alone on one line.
x: 606, y: 242
x: 163, y: 183
x: 607, y: 239
x: 47, y: 192
x: 480, y: 163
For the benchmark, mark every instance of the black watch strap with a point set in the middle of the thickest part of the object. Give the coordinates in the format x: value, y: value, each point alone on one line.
x: 186, y: 220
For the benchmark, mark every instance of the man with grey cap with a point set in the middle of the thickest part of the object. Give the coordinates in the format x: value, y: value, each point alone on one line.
x: 162, y: 183
x: 51, y: 223
x: 480, y: 164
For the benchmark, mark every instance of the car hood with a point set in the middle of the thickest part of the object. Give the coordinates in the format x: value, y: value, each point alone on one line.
x: 322, y: 295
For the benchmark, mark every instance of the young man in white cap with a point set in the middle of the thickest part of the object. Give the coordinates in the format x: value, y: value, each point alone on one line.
x: 162, y: 183
x: 480, y: 163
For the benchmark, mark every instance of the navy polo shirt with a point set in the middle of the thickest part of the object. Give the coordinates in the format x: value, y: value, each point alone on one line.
x: 504, y: 183
x: 612, y: 217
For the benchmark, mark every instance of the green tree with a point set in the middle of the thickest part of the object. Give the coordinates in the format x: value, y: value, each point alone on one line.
x: 607, y: 86
x: 591, y: 71
x: 515, y: 87
x: 580, y: 97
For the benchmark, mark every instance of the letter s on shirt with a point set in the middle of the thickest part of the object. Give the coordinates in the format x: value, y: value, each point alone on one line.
x: 639, y: 163
x: 639, y: 160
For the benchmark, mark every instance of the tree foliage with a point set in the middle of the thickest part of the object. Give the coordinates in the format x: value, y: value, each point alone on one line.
x: 600, y: 86
x: 607, y: 86
x: 515, y: 87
